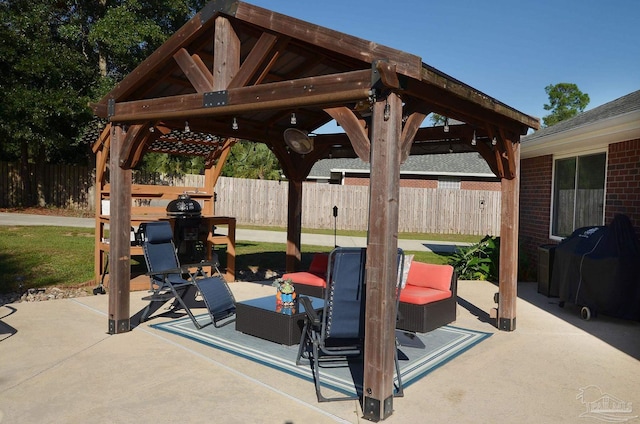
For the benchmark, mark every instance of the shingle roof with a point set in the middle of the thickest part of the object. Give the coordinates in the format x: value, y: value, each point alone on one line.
x: 620, y: 106
x: 462, y: 164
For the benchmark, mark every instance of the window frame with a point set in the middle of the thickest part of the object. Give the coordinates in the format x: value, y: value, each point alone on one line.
x: 577, y: 155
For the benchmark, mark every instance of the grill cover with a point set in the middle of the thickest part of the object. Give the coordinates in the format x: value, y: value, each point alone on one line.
x: 598, y: 267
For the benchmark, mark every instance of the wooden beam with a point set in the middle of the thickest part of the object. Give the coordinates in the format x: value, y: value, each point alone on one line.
x: 279, y: 48
x: 409, y: 132
x: 324, y: 38
x: 119, y: 238
x: 483, y: 105
x: 221, y: 156
x: 134, y: 136
x: 201, y: 79
x: 440, y: 99
x: 382, y: 259
x: 508, y: 272
x: 182, y: 37
x: 226, y: 53
x: 141, y: 147
x: 103, y: 138
x: 254, y: 60
x: 101, y: 160
x: 355, y: 130
x: 387, y: 73
x: 324, y: 90
x: 508, y: 144
x: 294, y: 225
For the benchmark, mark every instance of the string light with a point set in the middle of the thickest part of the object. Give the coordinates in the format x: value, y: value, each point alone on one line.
x: 494, y: 141
x: 473, y: 140
x: 446, y: 125
x: 294, y: 120
x: 186, y: 126
x: 234, y: 125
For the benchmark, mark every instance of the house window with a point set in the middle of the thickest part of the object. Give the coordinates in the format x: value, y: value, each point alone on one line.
x: 449, y: 183
x: 578, y: 193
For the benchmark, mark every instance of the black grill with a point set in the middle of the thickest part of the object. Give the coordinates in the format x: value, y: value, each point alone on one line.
x: 189, y: 235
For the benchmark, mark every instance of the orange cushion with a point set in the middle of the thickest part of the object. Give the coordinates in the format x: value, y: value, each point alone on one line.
x: 430, y: 275
x: 319, y: 263
x: 307, y: 278
x: 422, y: 295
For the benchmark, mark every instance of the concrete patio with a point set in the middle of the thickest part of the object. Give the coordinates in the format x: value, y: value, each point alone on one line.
x: 59, y: 365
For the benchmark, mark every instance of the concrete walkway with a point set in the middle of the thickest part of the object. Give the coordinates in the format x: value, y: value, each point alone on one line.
x: 59, y: 365
x: 241, y: 234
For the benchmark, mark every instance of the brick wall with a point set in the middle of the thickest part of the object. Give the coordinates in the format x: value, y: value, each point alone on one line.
x: 480, y: 185
x: 535, y: 208
x: 429, y: 183
x: 623, y: 182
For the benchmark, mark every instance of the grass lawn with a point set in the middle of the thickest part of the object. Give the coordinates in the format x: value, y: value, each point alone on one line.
x: 44, y: 256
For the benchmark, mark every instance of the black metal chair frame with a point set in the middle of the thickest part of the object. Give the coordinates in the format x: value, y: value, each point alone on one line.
x: 170, y: 280
x: 337, y: 333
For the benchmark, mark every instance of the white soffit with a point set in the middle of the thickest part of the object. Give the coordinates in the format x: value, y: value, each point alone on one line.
x: 590, y: 136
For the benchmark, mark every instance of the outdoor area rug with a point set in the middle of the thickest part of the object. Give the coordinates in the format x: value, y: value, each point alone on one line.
x: 418, y: 355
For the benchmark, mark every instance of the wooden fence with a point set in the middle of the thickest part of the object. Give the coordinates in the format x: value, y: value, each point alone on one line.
x: 260, y: 202
x: 440, y: 211
x: 63, y: 186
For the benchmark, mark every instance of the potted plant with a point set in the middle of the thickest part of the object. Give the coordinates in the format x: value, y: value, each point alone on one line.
x: 286, y: 293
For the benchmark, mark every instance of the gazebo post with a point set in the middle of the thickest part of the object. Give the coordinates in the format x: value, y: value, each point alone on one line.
x: 508, y: 272
x: 294, y: 225
x: 382, y: 257
x: 119, y: 237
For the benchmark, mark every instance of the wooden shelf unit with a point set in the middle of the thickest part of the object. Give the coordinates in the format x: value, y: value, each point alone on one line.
x: 155, y: 212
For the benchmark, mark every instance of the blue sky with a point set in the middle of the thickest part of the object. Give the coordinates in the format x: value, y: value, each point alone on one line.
x: 508, y: 49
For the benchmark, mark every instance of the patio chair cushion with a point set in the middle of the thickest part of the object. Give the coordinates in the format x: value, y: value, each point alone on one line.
x: 319, y: 263
x: 429, y: 299
x: 306, y: 278
x: 316, y: 274
x: 422, y: 295
x: 430, y: 276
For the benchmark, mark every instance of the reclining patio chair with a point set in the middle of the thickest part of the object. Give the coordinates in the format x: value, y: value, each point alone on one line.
x: 170, y: 280
x: 337, y: 332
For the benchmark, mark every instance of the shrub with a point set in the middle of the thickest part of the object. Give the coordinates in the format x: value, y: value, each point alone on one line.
x: 478, y: 261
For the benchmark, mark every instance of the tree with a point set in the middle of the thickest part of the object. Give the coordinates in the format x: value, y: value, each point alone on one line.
x: 43, y: 79
x: 565, y: 101
x: 252, y: 160
x: 56, y: 56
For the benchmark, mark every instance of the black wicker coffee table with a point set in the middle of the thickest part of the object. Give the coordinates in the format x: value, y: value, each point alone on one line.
x: 263, y: 318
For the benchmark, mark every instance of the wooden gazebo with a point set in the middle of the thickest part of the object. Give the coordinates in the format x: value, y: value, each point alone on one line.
x: 242, y: 72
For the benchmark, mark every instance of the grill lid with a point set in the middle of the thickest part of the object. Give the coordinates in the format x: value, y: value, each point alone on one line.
x: 184, y: 206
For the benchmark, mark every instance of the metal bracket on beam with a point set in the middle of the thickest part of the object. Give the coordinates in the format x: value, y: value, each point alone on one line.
x: 372, y: 410
x: 215, y: 98
x: 507, y: 324
x: 111, y: 107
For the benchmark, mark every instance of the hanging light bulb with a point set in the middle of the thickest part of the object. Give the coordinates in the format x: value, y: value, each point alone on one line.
x: 446, y: 125
x: 186, y: 126
x: 473, y: 140
x: 494, y: 141
x: 294, y: 120
x: 234, y: 125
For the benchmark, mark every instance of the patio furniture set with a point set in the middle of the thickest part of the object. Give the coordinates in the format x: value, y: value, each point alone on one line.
x: 326, y: 323
x: 427, y: 300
